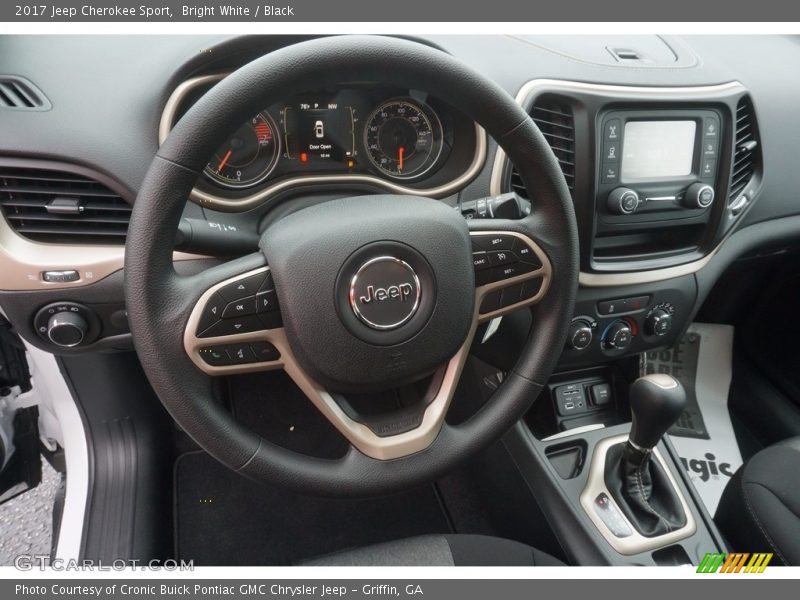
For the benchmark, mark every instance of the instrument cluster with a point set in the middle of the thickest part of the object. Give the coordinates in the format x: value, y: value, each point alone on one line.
x: 394, y: 139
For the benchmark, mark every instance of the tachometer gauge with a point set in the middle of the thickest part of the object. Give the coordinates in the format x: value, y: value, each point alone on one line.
x: 403, y: 138
x: 248, y: 156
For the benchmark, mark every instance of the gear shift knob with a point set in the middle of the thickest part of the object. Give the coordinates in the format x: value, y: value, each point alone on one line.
x: 656, y: 403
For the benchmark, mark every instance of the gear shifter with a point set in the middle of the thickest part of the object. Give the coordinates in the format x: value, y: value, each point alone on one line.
x: 656, y: 403
x: 637, y: 481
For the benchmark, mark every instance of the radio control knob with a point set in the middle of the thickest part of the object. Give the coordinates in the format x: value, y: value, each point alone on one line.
x: 618, y: 336
x: 698, y: 195
x: 67, y: 329
x: 623, y: 201
x: 580, y: 335
x: 658, y: 322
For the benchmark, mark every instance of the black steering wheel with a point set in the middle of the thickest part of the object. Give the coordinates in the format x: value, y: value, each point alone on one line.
x: 353, y: 295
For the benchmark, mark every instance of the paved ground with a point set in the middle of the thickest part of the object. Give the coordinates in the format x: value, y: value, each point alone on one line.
x: 26, y: 521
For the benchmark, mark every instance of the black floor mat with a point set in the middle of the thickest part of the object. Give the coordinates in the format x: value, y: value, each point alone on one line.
x: 275, y: 408
x: 221, y: 518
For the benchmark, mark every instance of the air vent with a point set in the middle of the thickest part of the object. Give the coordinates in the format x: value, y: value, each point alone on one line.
x: 556, y: 123
x: 20, y: 94
x: 746, y: 152
x: 47, y: 205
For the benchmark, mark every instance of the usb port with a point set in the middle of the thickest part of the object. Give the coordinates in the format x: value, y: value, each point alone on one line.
x: 569, y: 405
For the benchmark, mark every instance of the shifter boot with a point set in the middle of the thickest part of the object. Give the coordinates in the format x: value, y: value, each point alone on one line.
x: 642, y: 490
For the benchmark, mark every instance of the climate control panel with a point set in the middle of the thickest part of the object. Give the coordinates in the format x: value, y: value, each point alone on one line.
x: 613, y: 324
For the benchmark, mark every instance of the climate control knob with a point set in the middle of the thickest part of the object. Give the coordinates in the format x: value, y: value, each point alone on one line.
x: 580, y: 335
x: 698, y: 195
x: 658, y: 322
x: 623, y: 201
x: 618, y: 336
x: 67, y: 329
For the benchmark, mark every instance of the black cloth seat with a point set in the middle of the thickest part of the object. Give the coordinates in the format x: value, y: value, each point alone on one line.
x: 760, y: 508
x: 440, y: 550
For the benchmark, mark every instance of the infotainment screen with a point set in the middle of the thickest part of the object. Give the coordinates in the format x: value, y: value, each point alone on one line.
x: 657, y: 149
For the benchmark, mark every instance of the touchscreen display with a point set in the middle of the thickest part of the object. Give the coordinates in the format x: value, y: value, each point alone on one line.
x: 657, y: 149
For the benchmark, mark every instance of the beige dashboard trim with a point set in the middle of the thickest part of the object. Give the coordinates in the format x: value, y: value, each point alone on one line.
x: 22, y: 261
x: 538, y: 86
x: 247, y: 202
x: 639, y: 277
x: 636, y: 542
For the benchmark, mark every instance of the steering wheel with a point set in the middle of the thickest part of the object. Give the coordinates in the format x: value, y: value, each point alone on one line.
x: 354, y: 295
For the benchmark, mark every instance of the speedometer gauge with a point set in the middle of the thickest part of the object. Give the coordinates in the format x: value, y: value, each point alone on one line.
x: 403, y: 138
x: 248, y: 156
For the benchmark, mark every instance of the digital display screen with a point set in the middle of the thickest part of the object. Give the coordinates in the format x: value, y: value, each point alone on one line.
x: 657, y: 149
x: 319, y: 131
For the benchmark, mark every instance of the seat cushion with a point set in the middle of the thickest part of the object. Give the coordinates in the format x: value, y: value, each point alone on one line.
x: 440, y: 550
x: 760, y: 508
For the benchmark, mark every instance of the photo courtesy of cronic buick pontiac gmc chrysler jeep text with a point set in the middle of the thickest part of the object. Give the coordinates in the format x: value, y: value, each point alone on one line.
x: 372, y: 300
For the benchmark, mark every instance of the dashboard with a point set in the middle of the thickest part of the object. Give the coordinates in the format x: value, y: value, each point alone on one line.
x: 680, y: 154
x: 678, y: 161
x: 397, y: 139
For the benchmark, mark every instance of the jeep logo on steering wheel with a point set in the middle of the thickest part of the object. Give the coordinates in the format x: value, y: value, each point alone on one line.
x: 385, y: 293
x: 393, y: 292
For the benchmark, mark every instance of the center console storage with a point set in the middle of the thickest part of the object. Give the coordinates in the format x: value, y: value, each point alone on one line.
x: 659, y: 178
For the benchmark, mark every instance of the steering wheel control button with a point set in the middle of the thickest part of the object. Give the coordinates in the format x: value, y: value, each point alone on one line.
x: 240, y: 308
x: 525, y: 253
x: 212, y: 312
x: 266, y: 301
x: 492, y: 302
x: 531, y: 288
x: 243, y: 288
x: 265, y: 352
x: 501, y: 257
x: 494, y: 242
x: 240, y: 354
x: 512, y: 270
x: 216, y: 356
x: 480, y: 260
x: 233, y: 327
x: 511, y: 295
x: 385, y: 293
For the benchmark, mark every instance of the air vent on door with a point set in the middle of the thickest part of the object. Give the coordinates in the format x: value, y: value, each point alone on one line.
x: 50, y: 205
x: 556, y: 123
x: 746, y: 155
x: 19, y: 93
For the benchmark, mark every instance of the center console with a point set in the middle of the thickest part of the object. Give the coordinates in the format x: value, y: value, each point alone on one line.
x: 659, y: 178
